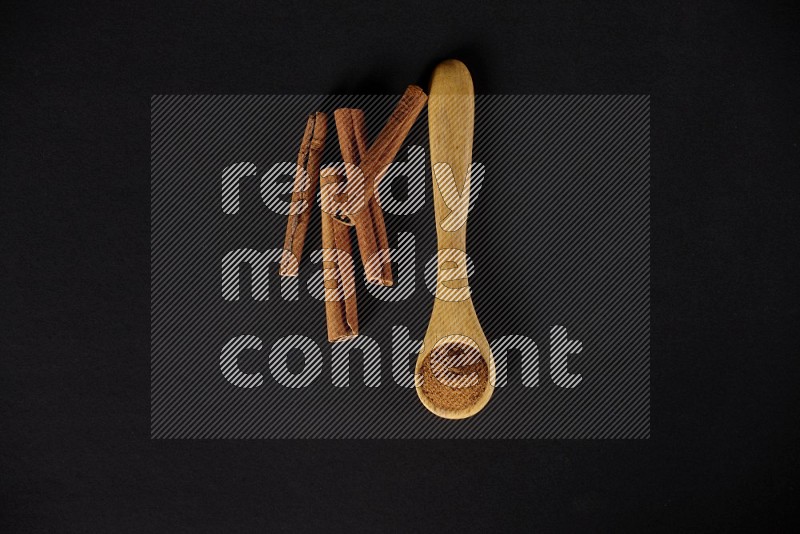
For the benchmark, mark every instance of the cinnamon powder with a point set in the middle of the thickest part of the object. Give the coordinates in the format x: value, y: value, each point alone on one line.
x: 454, y: 376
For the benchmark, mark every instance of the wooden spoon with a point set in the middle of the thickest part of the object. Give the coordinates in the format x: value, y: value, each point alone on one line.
x: 451, y: 117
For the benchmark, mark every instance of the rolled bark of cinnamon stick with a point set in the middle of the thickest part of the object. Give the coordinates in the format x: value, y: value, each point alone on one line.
x: 339, y: 275
x: 390, y: 140
x: 368, y: 221
x: 373, y: 163
x: 309, y: 160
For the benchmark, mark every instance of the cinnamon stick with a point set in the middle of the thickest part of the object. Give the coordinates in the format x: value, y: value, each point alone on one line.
x: 390, y: 140
x: 338, y: 273
x: 373, y: 164
x: 369, y: 223
x: 309, y: 159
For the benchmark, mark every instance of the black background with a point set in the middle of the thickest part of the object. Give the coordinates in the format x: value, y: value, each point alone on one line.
x: 76, y: 87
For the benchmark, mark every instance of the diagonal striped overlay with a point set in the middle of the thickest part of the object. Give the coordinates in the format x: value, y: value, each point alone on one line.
x: 558, y: 237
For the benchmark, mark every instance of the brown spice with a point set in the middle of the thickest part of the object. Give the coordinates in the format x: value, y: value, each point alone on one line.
x: 339, y: 279
x: 309, y: 159
x: 454, y: 376
x: 368, y: 221
x: 383, y: 151
x: 373, y: 163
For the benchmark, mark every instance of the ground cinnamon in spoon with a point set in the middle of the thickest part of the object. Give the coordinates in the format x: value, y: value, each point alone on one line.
x: 454, y: 376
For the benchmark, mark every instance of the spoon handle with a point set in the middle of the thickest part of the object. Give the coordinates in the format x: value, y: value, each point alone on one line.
x: 451, y: 120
